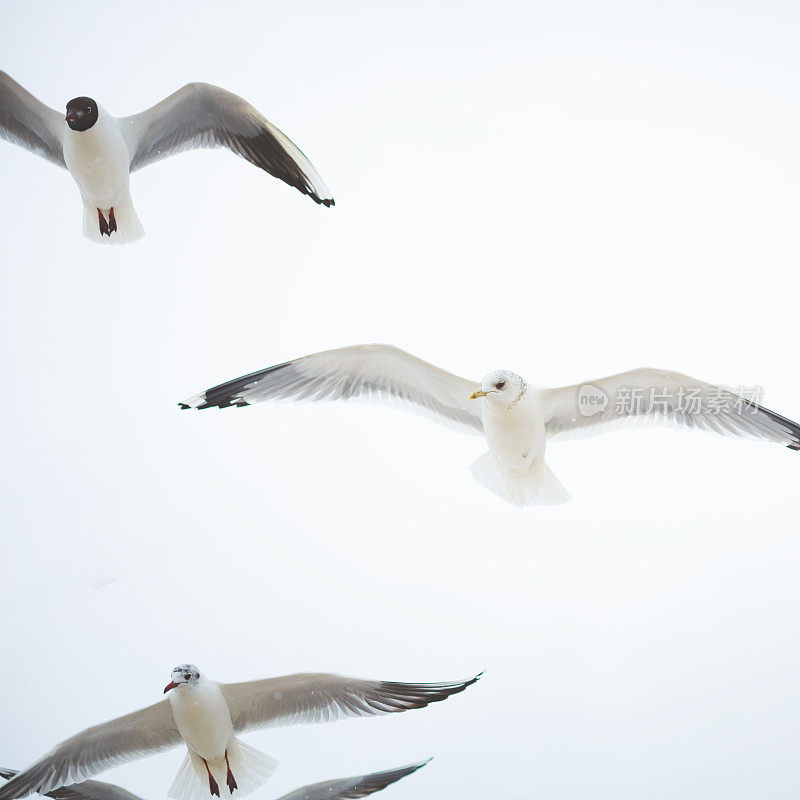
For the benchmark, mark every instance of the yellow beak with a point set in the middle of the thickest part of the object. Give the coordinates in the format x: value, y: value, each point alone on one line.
x: 479, y: 393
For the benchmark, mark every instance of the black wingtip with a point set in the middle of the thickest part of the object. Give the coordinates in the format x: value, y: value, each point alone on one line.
x: 328, y: 202
x: 227, y: 403
x: 792, y: 427
x: 226, y: 395
x: 183, y: 406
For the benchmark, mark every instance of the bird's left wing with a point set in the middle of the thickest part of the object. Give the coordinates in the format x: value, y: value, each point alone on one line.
x: 149, y: 730
x: 28, y: 122
x: 200, y: 116
x: 650, y: 396
x: 367, y: 372
x: 321, y: 697
x: 352, y: 788
x: 86, y: 790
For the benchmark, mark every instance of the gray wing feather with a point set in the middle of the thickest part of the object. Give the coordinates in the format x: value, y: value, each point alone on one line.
x: 367, y: 372
x: 352, y: 788
x: 86, y: 790
x: 202, y: 116
x: 320, y: 697
x: 337, y: 789
x: 651, y: 397
x: 149, y: 730
x: 29, y: 123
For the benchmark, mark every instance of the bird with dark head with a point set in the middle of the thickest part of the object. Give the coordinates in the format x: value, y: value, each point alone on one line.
x: 101, y: 151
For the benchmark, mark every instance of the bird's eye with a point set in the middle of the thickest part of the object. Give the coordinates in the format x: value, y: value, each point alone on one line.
x: 88, y: 109
x: 500, y: 384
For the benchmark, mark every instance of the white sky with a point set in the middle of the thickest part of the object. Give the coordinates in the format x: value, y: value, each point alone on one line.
x: 563, y: 189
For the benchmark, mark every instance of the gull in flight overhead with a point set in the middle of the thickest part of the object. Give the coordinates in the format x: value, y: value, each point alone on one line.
x: 100, y: 151
x: 516, y: 419
x: 208, y: 717
x: 337, y: 789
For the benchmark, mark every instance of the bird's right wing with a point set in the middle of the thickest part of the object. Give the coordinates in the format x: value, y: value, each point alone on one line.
x: 321, y: 697
x: 352, y: 788
x: 28, y: 122
x: 368, y: 372
x: 86, y: 790
x: 149, y: 730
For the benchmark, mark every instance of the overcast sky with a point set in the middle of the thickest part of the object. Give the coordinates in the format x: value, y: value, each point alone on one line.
x: 563, y: 189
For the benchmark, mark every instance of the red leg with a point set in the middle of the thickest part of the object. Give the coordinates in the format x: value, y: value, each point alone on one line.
x: 212, y: 784
x: 103, y: 224
x: 112, y: 223
x: 231, y: 781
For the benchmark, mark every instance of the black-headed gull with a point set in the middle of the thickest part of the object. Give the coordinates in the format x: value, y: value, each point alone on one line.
x: 207, y: 717
x: 336, y: 789
x: 100, y: 151
x: 516, y: 419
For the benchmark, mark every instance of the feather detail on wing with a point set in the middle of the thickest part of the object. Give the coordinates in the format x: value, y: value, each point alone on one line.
x: 86, y: 790
x: 651, y: 397
x: 369, y: 372
x: 29, y: 123
x: 202, y: 116
x: 352, y: 788
x: 149, y: 730
x: 320, y: 697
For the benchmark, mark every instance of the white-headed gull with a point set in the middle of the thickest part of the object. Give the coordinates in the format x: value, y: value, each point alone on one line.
x: 516, y: 419
x: 208, y: 717
x: 336, y: 789
x: 100, y: 151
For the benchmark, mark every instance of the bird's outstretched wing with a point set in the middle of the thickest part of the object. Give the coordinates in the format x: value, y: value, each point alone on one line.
x: 86, y: 790
x: 200, y: 115
x: 28, y: 122
x: 337, y: 789
x: 369, y: 372
x: 352, y: 788
x: 650, y: 396
x: 149, y: 730
x: 320, y: 697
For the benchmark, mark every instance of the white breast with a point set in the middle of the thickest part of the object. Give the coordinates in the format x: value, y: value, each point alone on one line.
x: 98, y: 160
x: 202, y: 717
x: 516, y: 436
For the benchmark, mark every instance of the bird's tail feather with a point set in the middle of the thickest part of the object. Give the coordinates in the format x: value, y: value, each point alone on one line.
x: 249, y: 767
x: 128, y: 227
x: 188, y: 784
x: 536, y: 487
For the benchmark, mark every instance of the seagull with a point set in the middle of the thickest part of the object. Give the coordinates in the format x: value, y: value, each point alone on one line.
x: 337, y: 789
x: 207, y: 717
x: 516, y: 419
x: 100, y: 151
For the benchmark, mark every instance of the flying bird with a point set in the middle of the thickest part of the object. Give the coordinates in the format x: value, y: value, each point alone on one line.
x: 208, y: 717
x: 100, y: 151
x: 518, y: 420
x: 337, y: 789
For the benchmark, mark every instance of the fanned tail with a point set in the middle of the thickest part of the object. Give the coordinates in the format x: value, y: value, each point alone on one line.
x: 249, y: 767
x: 188, y: 784
x: 536, y: 487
